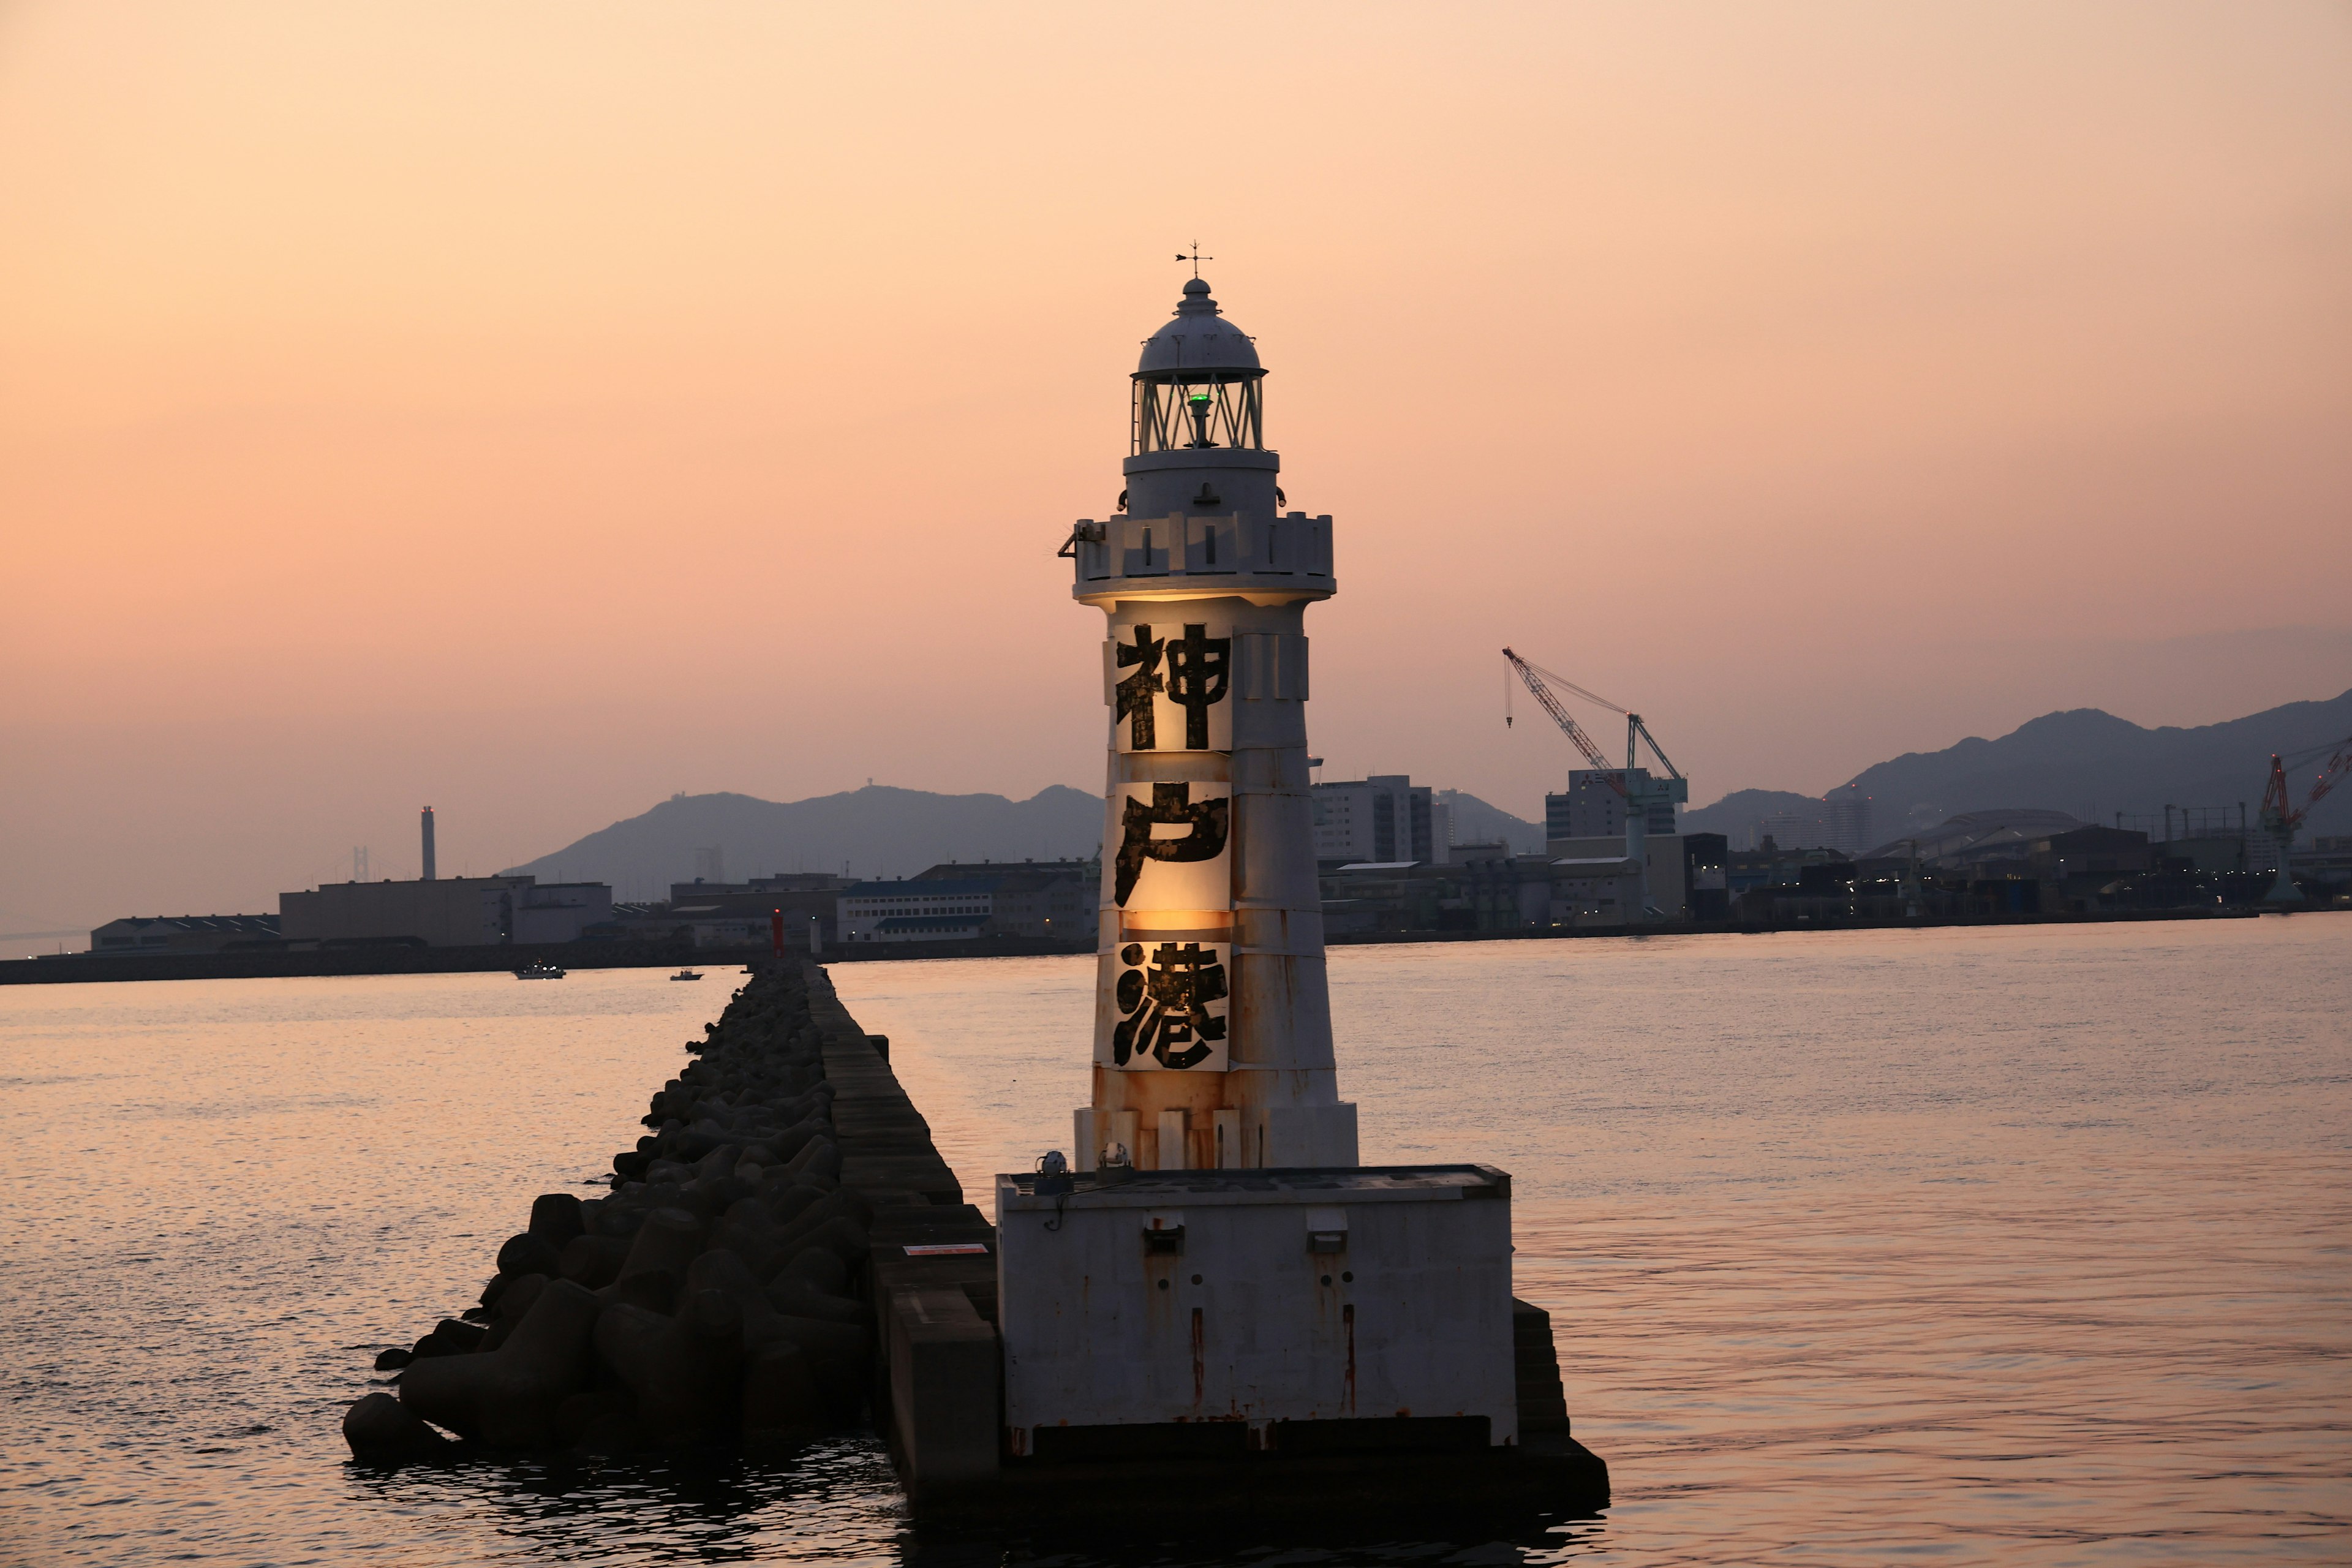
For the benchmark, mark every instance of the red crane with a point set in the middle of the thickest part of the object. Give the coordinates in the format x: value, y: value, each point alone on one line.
x: 2282, y: 816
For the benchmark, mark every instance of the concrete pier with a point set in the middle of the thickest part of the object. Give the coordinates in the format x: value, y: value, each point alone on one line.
x: 931, y: 1271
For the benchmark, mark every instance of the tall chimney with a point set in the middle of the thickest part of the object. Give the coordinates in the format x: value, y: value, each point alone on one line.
x: 428, y: 844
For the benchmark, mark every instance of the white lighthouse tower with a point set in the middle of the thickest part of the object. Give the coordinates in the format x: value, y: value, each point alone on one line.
x: 1221, y: 1280
x: 1213, y: 1024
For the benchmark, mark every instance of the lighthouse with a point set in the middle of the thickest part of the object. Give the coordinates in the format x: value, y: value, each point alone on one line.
x: 1213, y: 1028
x: 1221, y: 1277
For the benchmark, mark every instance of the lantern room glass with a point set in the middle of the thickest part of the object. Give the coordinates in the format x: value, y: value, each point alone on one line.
x: 1192, y: 410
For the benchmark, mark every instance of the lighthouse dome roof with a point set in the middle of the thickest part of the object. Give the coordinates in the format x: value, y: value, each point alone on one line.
x: 1199, y: 339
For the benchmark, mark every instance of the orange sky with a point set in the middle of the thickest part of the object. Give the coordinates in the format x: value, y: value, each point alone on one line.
x: 536, y: 409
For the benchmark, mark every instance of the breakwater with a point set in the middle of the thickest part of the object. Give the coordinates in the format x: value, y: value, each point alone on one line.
x: 725, y: 1289
x: 83, y: 968
x: 405, y: 958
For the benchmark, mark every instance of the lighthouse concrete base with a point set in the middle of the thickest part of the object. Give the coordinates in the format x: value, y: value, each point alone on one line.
x: 1271, y: 1135
x: 1212, y: 1314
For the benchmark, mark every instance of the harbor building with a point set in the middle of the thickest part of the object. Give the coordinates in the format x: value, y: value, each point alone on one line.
x: 920, y: 909
x: 1594, y: 807
x: 1384, y: 817
x: 448, y: 912
x: 1034, y: 900
x: 738, y: 914
x: 186, y: 933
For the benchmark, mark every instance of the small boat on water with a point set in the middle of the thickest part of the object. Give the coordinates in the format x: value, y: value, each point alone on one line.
x: 686, y: 975
x: 539, y: 971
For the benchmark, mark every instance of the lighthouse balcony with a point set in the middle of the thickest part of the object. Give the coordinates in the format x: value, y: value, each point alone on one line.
x: 1188, y: 554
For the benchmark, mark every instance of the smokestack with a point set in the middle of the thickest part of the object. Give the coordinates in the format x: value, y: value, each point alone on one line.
x: 428, y: 844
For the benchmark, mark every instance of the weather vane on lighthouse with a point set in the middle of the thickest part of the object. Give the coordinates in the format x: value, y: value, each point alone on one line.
x: 1195, y: 258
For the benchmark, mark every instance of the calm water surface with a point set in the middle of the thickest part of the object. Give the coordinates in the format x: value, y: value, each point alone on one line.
x: 2008, y: 1246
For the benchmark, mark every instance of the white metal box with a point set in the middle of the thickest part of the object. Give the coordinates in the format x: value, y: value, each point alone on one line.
x: 1257, y: 1299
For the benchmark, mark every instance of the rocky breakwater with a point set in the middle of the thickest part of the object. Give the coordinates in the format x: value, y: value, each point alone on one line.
x: 719, y: 1292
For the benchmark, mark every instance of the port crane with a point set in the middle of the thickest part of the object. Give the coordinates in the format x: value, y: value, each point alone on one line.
x: 1640, y: 795
x: 2282, y: 816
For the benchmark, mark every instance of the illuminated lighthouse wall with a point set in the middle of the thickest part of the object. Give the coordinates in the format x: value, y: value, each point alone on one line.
x: 1213, y: 1028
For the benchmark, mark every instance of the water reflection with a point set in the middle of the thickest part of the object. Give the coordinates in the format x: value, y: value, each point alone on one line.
x: 839, y: 1503
x: 834, y: 1502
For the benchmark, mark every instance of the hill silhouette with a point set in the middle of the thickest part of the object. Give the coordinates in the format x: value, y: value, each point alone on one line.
x: 2094, y: 765
x: 876, y: 832
x: 2085, y: 761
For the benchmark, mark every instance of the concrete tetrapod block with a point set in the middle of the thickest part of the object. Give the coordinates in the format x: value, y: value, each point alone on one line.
x: 786, y: 1197
x: 720, y: 1161
x: 378, y: 1427
x: 604, y: 1411
x: 812, y: 1225
x: 835, y: 1352
x: 656, y: 1291
x: 668, y: 1241
x: 822, y: 1157
x: 527, y: 1254
x: 508, y: 1396
x: 793, y: 1297
x: 682, y: 1371
x: 450, y: 1336
x: 618, y: 1218
x: 782, y: 1400
x: 595, y: 1260
x: 818, y: 1266
x: 514, y: 1305
x: 556, y: 1218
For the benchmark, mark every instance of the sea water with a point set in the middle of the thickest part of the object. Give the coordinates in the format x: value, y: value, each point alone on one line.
x: 2018, y: 1246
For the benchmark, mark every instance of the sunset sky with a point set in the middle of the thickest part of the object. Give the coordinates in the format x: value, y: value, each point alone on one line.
x: 537, y: 409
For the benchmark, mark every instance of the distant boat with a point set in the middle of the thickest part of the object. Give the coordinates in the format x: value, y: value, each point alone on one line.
x: 686, y: 975
x: 541, y: 972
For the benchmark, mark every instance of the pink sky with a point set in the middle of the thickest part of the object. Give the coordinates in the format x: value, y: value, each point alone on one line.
x: 537, y: 409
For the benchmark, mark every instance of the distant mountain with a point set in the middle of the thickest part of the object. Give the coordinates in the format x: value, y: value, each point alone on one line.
x: 876, y: 831
x: 1476, y: 822
x: 1740, y: 810
x: 2094, y: 765
x: 2085, y: 762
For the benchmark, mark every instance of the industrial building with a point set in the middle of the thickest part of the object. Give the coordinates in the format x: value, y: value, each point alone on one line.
x: 186, y: 933
x: 446, y: 911
x: 1578, y: 884
x: 1594, y: 807
x: 1035, y: 900
x: 738, y: 914
x: 438, y: 911
x: 921, y: 910
x: 1385, y: 817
